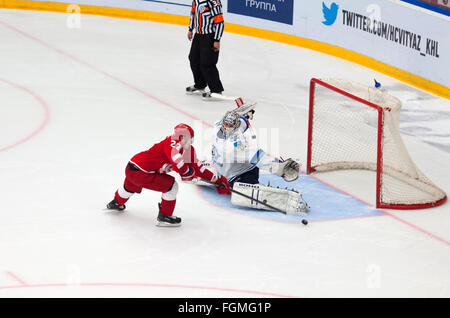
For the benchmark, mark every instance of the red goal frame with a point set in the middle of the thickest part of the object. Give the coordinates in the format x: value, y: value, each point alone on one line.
x: 379, y: 164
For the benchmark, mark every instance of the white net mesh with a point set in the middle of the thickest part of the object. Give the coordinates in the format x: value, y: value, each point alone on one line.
x: 345, y: 136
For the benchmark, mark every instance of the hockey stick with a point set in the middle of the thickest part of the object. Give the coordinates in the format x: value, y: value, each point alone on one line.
x: 217, y: 97
x: 304, y: 221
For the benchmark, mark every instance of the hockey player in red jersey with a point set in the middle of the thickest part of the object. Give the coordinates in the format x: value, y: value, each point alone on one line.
x: 148, y: 170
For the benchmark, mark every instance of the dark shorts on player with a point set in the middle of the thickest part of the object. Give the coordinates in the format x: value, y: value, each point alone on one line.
x: 251, y: 177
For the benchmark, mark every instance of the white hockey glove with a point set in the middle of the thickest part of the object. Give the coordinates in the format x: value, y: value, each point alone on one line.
x: 250, y: 114
x: 246, y: 109
x: 288, y: 169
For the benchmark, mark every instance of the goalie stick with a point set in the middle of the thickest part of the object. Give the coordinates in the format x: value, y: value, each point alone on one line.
x: 304, y: 221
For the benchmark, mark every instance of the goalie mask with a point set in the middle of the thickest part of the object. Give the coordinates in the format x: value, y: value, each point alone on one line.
x: 230, y: 123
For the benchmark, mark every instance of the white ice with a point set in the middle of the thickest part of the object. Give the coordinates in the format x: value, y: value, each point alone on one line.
x: 76, y: 104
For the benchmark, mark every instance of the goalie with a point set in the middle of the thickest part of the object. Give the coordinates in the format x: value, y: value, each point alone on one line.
x: 236, y: 155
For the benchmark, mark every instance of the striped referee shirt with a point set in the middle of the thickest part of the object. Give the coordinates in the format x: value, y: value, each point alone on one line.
x: 207, y: 17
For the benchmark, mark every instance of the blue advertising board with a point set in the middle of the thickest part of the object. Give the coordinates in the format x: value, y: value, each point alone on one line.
x: 274, y: 10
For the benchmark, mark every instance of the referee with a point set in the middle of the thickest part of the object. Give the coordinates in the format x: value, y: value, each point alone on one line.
x: 207, y: 21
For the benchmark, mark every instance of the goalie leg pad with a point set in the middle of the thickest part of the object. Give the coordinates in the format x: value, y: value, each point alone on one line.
x: 286, y: 200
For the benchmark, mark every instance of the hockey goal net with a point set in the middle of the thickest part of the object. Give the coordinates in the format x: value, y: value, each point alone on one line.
x: 352, y: 126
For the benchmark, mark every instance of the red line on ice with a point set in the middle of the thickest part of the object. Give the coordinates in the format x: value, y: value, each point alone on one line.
x: 43, y: 123
x: 17, y: 279
x: 241, y: 291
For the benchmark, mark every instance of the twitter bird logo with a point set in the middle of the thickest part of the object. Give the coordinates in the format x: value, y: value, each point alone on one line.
x: 329, y: 14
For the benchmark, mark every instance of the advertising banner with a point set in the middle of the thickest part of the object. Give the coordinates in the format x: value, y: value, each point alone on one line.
x: 274, y: 10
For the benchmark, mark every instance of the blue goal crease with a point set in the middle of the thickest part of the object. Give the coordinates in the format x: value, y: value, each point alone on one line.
x: 326, y: 203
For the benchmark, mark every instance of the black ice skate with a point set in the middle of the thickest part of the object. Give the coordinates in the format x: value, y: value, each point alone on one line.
x: 206, y: 95
x: 113, y: 205
x: 164, y: 220
x: 192, y: 90
x: 216, y: 96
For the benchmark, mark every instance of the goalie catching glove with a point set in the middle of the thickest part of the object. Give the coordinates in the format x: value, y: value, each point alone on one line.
x: 287, y: 169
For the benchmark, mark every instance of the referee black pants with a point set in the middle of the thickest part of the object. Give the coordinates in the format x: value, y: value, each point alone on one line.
x: 203, y: 60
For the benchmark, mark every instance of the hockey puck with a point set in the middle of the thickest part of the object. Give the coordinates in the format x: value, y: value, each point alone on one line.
x: 305, y: 222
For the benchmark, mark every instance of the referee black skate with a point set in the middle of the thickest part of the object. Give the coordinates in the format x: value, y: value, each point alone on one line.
x: 208, y: 24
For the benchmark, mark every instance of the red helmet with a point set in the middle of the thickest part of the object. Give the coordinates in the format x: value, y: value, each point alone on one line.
x: 182, y: 130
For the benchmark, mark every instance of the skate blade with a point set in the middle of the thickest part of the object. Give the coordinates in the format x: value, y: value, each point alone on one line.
x: 199, y: 92
x: 219, y: 97
x: 113, y: 210
x: 165, y: 224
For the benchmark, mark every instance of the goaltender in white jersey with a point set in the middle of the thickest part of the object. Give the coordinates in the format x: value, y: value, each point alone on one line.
x: 236, y: 155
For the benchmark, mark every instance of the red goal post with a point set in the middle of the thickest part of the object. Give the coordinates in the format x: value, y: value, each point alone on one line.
x: 352, y: 126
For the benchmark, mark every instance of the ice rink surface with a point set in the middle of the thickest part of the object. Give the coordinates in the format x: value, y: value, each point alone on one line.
x: 77, y: 103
